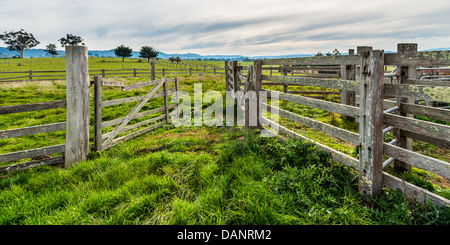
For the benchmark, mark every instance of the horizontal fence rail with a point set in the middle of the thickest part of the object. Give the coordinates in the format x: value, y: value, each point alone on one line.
x: 37, y: 152
x: 108, y: 140
x: 33, y: 75
x: 364, y: 102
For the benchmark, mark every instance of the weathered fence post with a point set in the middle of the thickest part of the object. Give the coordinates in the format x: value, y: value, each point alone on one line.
x: 134, y: 72
x: 235, y: 75
x: 256, y: 86
x: 406, y: 72
x: 30, y: 74
x: 348, y: 73
x: 227, y: 77
x: 177, y: 89
x: 98, y: 87
x: 371, y: 123
x: 152, y: 64
x: 77, y: 93
x: 166, y: 101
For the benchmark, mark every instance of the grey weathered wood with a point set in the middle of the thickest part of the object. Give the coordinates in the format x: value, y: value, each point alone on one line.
x: 348, y: 96
x: 430, y: 129
x: 166, y: 101
x: 227, y: 77
x: 152, y: 75
x: 418, y: 160
x: 33, y: 107
x: 334, y: 154
x: 320, y: 60
x: 427, y: 58
x: 414, y: 192
x: 111, y: 83
x: 139, y: 85
x: 326, y: 128
x: 177, y: 91
x: 132, y: 99
x: 371, y: 123
x: 435, y: 141
x: 316, y: 82
x: 11, y: 133
x: 137, y: 125
x: 430, y: 112
x: 133, y: 113
x: 257, y: 87
x: 98, y: 83
x: 8, y: 157
x: 312, y: 92
x: 134, y: 134
x: 434, y: 93
x: 235, y: 75
x: 32, y: 164
x: 139, y: 115
x: 427, y: 82
x: 426, y: 111
x: 77, y: 94
x: 320, y: 104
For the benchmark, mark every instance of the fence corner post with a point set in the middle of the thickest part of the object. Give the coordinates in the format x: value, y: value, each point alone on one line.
x: 371, y: 123
x: 77, y: 93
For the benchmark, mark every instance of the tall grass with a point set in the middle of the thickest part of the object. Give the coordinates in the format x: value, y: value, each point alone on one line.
x: 247, y: 180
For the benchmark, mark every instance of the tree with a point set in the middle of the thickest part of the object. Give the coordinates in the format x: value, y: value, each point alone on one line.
x: 71, y: 40
x: 51, y: 50
x: 148, y: 52
x: 19, y: 41
x: 336, y: 52
x: 177, y: 59
x: 123, y: 52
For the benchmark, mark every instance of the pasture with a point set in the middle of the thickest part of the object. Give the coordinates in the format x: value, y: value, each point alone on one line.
x: 195, y: 175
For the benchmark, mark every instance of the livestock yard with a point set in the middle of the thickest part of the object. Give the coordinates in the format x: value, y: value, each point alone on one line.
x: 357, y: 139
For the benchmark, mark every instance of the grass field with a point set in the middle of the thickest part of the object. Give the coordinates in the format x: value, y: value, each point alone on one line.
x: 195, y: 175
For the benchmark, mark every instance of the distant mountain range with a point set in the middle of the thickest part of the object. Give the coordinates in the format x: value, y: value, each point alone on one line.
x: 35, y: 53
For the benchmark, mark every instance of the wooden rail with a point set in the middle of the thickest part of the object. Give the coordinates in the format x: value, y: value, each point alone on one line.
x: 362, y: 75
x: 152, y: 72
x: 37, y: 152
x: 105, y: 141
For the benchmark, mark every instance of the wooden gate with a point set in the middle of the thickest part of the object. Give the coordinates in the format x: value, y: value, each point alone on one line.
x: 105, y: 141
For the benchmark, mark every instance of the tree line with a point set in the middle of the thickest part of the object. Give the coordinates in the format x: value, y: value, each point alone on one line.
x: 20, y: 41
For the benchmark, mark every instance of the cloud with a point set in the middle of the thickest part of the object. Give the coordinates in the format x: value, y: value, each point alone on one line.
x: 233, y: 27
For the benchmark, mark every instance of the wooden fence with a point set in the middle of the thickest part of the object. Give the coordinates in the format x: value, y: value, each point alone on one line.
x: 37, y: 152
x: 105, y: 141
x: 375, y: 113
x: 22, y: 76
x: 76, y: 146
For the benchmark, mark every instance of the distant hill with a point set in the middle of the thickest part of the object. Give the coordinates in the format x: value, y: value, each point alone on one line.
x: 36, y: 53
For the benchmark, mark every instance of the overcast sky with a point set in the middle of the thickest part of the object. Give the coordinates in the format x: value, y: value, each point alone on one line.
x: 245, y: 27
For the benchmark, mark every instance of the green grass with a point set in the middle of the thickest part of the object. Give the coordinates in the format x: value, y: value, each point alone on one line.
x: 216, y: 176
x: 195, y: 175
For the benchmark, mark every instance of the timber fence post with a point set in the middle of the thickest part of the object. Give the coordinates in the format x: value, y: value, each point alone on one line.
x: 152, y: 64
x: 406, y: 72
x: 227, y: 78
x: 77, y: 93
x: 348, y: 73
x: 371, y: 122
x: 98, y: 87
